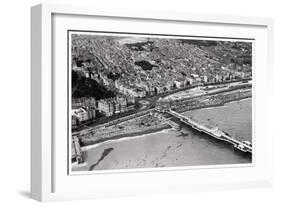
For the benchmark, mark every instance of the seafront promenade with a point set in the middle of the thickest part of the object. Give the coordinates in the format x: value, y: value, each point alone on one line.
x: 161, y: 124
x: 177, y: 147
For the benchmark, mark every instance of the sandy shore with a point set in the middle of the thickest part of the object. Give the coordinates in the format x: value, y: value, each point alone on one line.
x: 137, y: 126
x: 166, y: 147
x: 134, y: 127
x: 125, y: 138
x: 124, y: 135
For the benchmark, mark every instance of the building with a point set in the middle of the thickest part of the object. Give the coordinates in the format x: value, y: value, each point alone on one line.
x: 131, y: 100
x: 218, y: 78
x: 123, y: 103
x: 179, y: 84
x: 117, y: 108
x: 205, y: 79
x: 113, y: 106
x: 83, y: 102
x: 84, y: 114
x: 242, y: 75
x: 140, y: 92
x: 106, y: 106
x: 188, y: 81
x: 74, y: 122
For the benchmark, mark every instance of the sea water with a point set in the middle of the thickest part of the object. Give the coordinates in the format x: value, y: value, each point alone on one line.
x: 172, y: 148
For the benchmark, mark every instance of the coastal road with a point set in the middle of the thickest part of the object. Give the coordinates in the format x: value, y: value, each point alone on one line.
x: 148, y: 106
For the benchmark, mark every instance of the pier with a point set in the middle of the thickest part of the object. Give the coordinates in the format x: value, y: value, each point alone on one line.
x: 170, y: 122
x: 243, y: 146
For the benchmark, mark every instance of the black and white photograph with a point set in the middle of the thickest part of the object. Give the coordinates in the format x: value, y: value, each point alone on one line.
x: 146, y: 101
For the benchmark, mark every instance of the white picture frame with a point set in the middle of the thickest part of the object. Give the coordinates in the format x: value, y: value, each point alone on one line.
x: 49, y: 178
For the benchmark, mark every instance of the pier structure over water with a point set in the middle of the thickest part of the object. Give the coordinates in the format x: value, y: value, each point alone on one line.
x: 243, y: 146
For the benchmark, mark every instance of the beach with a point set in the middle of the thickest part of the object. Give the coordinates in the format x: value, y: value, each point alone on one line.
x: 172, y: 148
x: 142, y: 125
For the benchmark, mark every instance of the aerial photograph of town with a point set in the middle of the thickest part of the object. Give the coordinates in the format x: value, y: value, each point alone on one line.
x: 156, y: 101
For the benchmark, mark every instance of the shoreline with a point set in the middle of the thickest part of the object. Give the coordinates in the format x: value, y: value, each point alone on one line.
x: 148, y: 131
x: 131, y: 134
x: 116, y: 140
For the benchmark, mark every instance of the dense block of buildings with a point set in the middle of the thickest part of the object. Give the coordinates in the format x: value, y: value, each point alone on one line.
x: 83, y: 102
x: 112, y: 106
x: 82, y: 115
